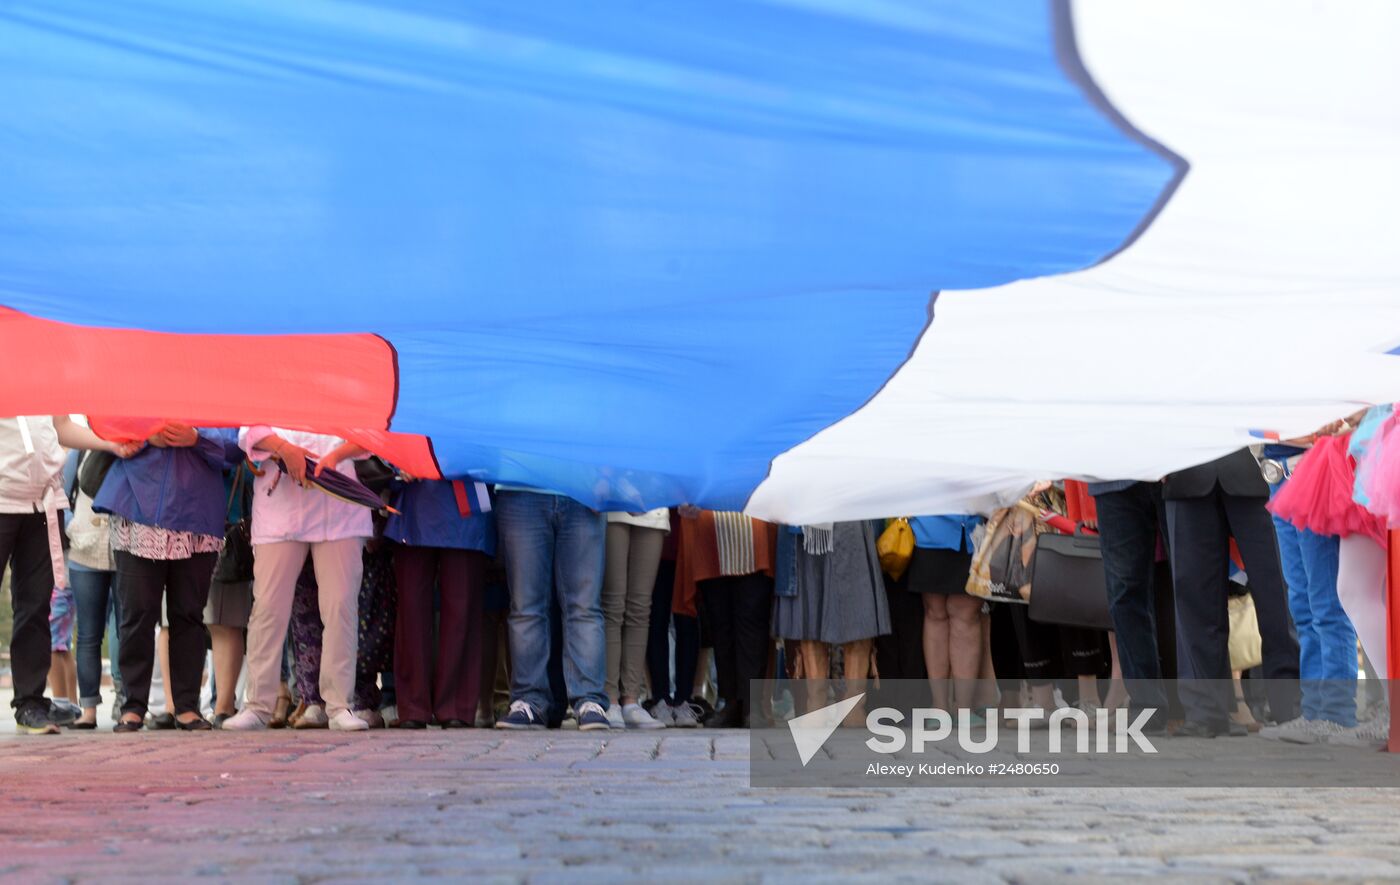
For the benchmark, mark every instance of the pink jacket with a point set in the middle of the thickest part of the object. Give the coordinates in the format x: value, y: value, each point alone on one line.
x: 290, y: 512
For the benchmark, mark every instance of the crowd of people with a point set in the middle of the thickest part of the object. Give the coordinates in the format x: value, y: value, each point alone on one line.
x: 459, y: 606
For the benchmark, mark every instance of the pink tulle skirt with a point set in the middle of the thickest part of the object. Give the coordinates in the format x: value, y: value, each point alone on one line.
x: 1318, y: 497
x: 1380, y: 473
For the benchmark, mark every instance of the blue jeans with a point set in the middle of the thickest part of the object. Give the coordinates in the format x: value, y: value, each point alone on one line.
x: 553, y: 546
x: 1326, y: 638
x: 97, y: 603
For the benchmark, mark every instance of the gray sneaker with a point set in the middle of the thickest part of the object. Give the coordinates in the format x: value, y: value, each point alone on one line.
x: 687, y: 715
x: 1278, y: 732
x: 661, y: 711
x: 1370, y: 735
x: 1303, y: 731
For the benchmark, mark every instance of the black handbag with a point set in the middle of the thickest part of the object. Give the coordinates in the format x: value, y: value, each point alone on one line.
x: 93, y: 470
x: 235, y: 562
x: 1068, y: 587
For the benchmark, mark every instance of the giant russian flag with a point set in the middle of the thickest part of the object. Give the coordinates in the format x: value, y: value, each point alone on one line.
x: 817, y: 258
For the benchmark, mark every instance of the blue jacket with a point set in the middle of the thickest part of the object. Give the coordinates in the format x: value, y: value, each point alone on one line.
x: 429, y: 517
x: 948, y: 532
x: 181, y: 489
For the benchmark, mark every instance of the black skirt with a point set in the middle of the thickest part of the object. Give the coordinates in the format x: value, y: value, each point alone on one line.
x: 939, y: 571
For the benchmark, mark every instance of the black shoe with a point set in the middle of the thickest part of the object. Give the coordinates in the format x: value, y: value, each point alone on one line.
x: 34, y: 719
x: 1196, y: 730
x: 1235, y: 730
x: 125, y: 726
x: 455, y: 723
x: 727, y: 717
x: 412, y: 724
x: 199, y: 723
x: 162, y: 721
x: 63, y: 715
x: 83, y: 726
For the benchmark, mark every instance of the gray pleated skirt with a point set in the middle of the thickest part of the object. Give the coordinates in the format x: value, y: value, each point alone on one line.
x: 840, y: 595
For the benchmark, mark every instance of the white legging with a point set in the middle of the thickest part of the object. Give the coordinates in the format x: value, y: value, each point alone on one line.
x: 1361, y: 571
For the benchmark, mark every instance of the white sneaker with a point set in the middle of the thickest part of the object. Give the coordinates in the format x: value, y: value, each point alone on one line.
x: 371, y: 718
x: 245, y: 720
x: 615, y: 716
x: 687, y: 715
x: 661, y: 711
x: 345, y: 721
x: 1302, y: 731
x: 314, y: 716
x: 633, y: 716
x: 1370, y: 735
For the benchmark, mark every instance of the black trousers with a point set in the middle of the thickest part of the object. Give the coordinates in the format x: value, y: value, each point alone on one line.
x: 185, y: 585
x: 900, y: 654
x: 24, y: 547
x: 1130, y: 522
x: 739, y: 611
x: 1200, y: 531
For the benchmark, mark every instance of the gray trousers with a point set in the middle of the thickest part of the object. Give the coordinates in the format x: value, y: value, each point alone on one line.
x: 634, y: 553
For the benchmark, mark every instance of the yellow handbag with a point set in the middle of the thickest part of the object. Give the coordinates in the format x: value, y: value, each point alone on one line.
x: 1246, y: 645
x: 896, y: 547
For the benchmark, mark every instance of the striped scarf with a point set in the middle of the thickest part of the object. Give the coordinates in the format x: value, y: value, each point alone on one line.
x: 734, y: 538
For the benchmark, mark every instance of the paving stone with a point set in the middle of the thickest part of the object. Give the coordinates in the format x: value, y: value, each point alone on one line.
x: 623, y: 807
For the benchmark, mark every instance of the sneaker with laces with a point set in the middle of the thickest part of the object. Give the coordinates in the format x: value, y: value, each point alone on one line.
x: 1301, y: 731
x: 1276, y: 732
x: 686, y: 715
x: 521, y: 717
x: 1371, y: 735
x: 592, y: 717
x: 345, y: 721
x: 34, y: 719
x: 615, y: 716
x: 244, y: 720
x: 313, y: 717
x: 633, y: 716
x: 661, y: 711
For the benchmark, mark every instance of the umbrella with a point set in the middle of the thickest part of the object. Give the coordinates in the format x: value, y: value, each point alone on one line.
x: 338, y: 485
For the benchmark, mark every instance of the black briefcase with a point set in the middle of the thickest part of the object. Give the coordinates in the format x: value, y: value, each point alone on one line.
x: 1067, y: 582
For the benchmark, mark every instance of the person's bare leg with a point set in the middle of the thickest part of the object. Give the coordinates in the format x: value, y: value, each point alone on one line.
x: 1089, y: 690
x: 1117, y: 692
x: 163, y: 650
x: 1043, y: 696
x: 856, y: 656
x: 228, y: 663
x: 816, y: 664
x: 63, y: 675
x: 936, y: 654
x: 964, y: 646
x: 987, y: 696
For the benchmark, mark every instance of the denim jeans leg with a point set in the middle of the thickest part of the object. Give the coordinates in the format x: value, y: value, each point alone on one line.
x: 579, y: 551
x: 525, y: 528
x: 1295, y: 574
x: 114, y: 641
x: 1128, y: 531
x: 1336, y: 637
x: 92, y: 589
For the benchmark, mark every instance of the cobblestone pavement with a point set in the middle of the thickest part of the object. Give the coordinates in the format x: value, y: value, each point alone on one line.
x: 307, y: 806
